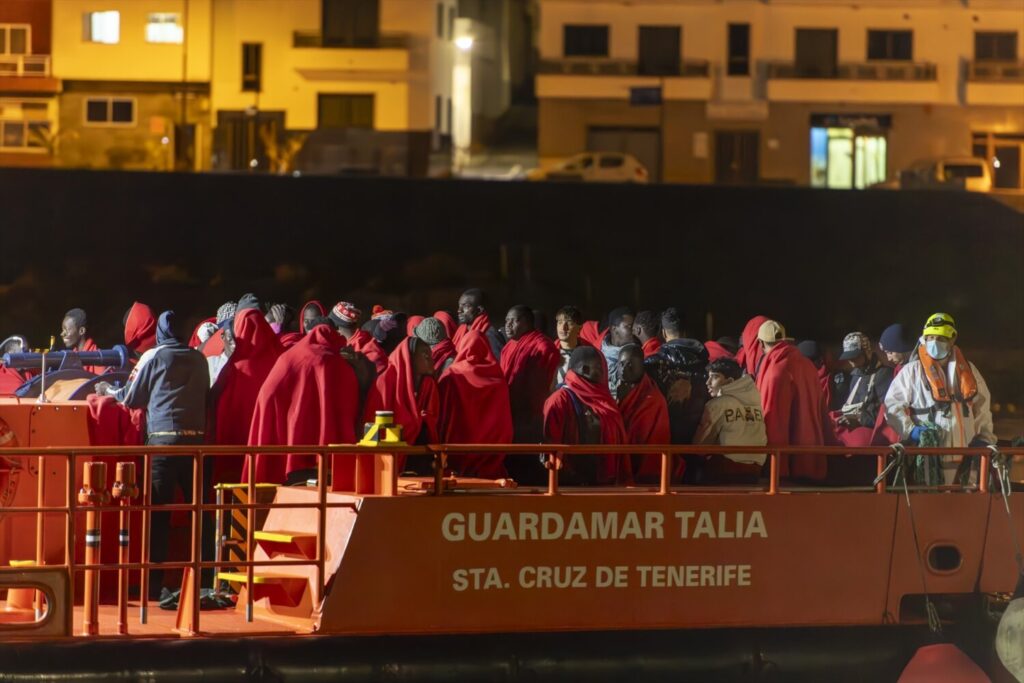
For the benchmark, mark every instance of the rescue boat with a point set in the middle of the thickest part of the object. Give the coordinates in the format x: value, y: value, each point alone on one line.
x: 440, y: 577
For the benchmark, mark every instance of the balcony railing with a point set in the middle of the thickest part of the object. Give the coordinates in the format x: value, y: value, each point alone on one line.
x: 25, y: 65
x: 607, y: 66
x: 859, y: 71
x: 996, y: 72
x: 316, y: 39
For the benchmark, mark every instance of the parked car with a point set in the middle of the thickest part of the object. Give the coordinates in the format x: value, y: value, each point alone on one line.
x: 596, y: 167
x: 961, y: 173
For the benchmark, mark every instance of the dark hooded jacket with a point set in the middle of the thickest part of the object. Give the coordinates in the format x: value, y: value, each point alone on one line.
x: 173, y: 385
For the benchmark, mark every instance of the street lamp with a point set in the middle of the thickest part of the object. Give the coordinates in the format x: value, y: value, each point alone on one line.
x: 462, y: 101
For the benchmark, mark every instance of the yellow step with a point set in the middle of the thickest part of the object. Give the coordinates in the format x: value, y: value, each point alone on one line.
x: 299, y: 544
x: 280, y: 589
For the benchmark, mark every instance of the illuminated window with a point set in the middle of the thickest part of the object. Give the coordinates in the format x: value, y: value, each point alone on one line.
x: 110, y: 111
x: 102, y: 27
x: 164, y: 27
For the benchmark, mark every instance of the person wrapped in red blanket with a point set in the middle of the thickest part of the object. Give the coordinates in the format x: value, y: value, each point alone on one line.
x: 474, y: 401
x: 583, y: 411
x: 311, y: 396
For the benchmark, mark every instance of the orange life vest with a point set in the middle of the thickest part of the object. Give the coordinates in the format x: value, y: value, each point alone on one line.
x: 966, y: 386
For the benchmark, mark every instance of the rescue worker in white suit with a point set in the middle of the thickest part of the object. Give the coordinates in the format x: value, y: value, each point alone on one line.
x: 941, y: 391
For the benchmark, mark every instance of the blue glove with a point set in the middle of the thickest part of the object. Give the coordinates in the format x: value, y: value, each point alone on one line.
x: 915, y: 434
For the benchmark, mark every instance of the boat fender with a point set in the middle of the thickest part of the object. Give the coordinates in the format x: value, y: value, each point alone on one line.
x: 942, y: 663
x: 1010, y: 634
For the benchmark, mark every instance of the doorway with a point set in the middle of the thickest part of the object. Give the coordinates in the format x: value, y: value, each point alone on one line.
x: 1004, y: 153
x: 845, y: 158
x: 737, y: 157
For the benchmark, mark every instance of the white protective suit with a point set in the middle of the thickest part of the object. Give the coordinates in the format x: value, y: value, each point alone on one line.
x: 909, y: 402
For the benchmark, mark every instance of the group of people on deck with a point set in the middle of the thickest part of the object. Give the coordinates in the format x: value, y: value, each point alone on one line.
x: 259, y: 374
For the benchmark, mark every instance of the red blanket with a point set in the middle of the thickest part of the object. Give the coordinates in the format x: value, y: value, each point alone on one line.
x: 794, y: 409
x: 311, y: 396
x: 234, y: 397
x: 411, y: 323
x: 645, y: 415
x: 591, y: 334
x: 10, y: 380
x: 560, y: 424
x: 529, y: 365
x: 140, y: 328
x: 750, y: 353
x: 441, y: 352
x: 716, y: 351
x: 651, y: 346
x: 474, y: 402
x: 450, y: 325
x: 481, y: 324
x: 415, y: 408
x: 363, y: 342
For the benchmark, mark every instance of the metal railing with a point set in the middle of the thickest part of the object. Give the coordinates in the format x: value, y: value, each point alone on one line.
x: 995, y: 72
x: 93, y: 504
x: 853, y: 71
x: 607, y: 66
x: 313, y: 38
x: 25, y: 65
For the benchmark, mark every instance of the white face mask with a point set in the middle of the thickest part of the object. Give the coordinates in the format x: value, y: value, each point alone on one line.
x: 937, y: 348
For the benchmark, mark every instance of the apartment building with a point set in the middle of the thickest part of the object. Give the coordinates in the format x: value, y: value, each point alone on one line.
x: 136, y: 77
x: 827, y: 94
x: 28, y: 89
x: 261, y: 85
x: 365, y: 85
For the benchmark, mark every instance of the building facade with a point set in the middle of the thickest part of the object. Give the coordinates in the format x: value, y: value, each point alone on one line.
x: 365, y: 85
x: 28, y: 89
x: 327, y: 85
x: 826, y: 94
x: 136, y: 83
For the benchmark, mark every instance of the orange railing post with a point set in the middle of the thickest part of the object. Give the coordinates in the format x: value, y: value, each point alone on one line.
x: 321, y: 524
x: 983, y: 471
x: 147, y: 499
x: 92, y: 494
x: 197, y: 540
x: 40, y: 533
x: 666, y: 474
x: 773, y: 472
x: 554, y: 464
x: 880, y: 486
x: 440, y: 461
x: 123, y: 491
x: 250, y: 524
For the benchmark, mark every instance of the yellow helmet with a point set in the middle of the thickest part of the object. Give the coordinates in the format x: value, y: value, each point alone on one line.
x: 941, y: 324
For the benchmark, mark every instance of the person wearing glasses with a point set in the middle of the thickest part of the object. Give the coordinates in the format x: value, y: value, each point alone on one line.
x: 940, y: 399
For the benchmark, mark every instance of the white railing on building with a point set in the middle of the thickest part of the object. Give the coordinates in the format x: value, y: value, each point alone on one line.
x: 996, y: 72
x: 25, y: 65
x: 855, y: 71
x: 608, y: 66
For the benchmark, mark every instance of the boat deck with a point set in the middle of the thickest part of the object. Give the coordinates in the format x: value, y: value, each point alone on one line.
x: 227, y: 623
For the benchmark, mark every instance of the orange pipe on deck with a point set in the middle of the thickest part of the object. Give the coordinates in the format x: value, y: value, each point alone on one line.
x: 773, y: 472
x: 93, y: 492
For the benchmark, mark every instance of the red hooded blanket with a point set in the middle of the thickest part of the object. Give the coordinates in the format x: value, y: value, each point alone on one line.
x: 561, y: 426
x: 311, y: 396
x: 475, y: 408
